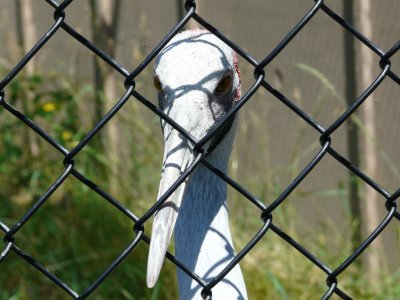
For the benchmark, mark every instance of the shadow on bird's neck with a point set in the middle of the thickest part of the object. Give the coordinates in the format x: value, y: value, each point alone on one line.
x: 202, y: 236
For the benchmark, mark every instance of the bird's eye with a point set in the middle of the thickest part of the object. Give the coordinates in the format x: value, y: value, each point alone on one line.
x: 224, y: 84
x: 157, y: 84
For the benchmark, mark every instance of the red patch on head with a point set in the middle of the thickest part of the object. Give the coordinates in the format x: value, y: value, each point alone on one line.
x: 236, y: 66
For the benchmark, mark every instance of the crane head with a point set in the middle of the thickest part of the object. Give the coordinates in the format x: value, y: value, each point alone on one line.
x: 197, y: 79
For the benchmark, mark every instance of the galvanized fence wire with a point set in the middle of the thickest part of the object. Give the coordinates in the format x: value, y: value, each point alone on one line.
x: 260, y: 82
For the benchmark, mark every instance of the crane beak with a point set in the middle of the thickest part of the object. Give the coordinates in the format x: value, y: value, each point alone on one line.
x: 178, y: 157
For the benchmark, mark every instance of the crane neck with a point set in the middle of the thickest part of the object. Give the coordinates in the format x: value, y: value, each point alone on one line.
x: 202, y: 236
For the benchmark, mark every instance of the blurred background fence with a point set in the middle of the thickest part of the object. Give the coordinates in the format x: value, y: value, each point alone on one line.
x: 65, y: 90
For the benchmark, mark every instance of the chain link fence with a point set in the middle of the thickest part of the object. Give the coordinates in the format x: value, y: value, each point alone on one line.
x: 389, y: 200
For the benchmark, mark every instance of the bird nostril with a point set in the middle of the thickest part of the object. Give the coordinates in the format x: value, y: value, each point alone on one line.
x: 157, y: 84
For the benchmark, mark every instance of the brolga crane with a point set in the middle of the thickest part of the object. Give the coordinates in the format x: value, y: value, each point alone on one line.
x: 197, y: 79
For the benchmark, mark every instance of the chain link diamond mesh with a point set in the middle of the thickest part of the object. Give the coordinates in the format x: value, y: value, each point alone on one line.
x: 389, y: 200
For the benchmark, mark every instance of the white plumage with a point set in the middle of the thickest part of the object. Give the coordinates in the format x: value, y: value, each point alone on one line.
x: 198, y: 82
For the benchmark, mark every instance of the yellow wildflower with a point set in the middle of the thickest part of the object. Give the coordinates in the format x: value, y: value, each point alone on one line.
x: 49, y: 107
x: 66, y: 135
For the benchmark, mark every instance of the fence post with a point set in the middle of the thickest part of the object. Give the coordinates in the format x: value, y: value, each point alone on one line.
x: 371, y: 211
x: 105, y: 16
x: 351, y: 126
x: 26, y: 37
